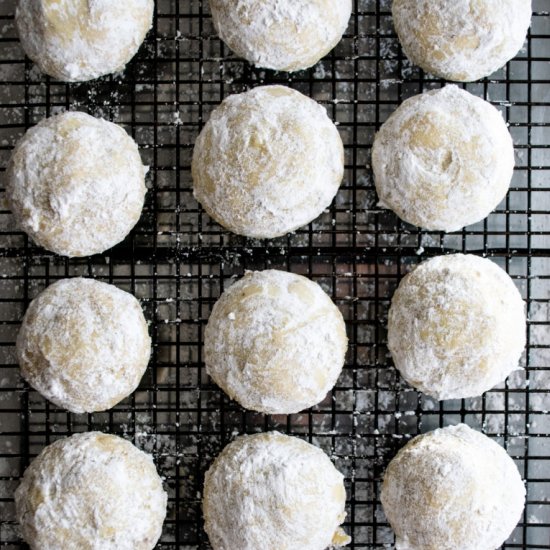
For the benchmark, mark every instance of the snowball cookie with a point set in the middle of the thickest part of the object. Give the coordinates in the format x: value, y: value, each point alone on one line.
x: 443, y: 160
x: 77, y: 40
x: 452, y: 489
x: 267, y: 162
x: 284, y: 35
x: 83, y: 344
x: 91, y: 491
x: 275, y: 342
x: 456, y: 326
x: 273, y: 492
x: 461, y: 40
x: 76, y: 184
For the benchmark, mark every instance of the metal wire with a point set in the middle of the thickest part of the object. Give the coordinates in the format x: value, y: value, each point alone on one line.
x: 177, y: 261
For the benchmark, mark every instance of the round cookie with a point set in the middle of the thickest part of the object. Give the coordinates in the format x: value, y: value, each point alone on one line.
x: 272, y: 491
x: 91, y: 491
x: 461, y: 40
x: 456, y: 326
x: 443, y: 160
x: 267, y: 162
x: 452, y: 489
x: 79, y: 40
x: 283, y: 35
x: 83, y: 344
x: 275, y: 342
x: 76, y: 184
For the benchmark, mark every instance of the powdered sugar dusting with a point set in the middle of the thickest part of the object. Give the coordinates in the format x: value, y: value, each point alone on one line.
x: 275, y: 342
x: 273, y: 491
x: 456, y: 326
x: 91, y: 491
x: 443, y: 160
x: 462, y: 40
x: 284, y: 35
x: 452, y: 489
x: 78, y: 40
x: 76, y: 184
x: 267, y: 162
x: 84, y: 344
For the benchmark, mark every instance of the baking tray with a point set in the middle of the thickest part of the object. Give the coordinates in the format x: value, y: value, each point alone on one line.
x: 177, y: 262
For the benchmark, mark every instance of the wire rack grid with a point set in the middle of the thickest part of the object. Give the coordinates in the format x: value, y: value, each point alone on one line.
x: 177, y: 262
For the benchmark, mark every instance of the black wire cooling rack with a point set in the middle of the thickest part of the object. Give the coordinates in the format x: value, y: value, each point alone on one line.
x: 177, y: 262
